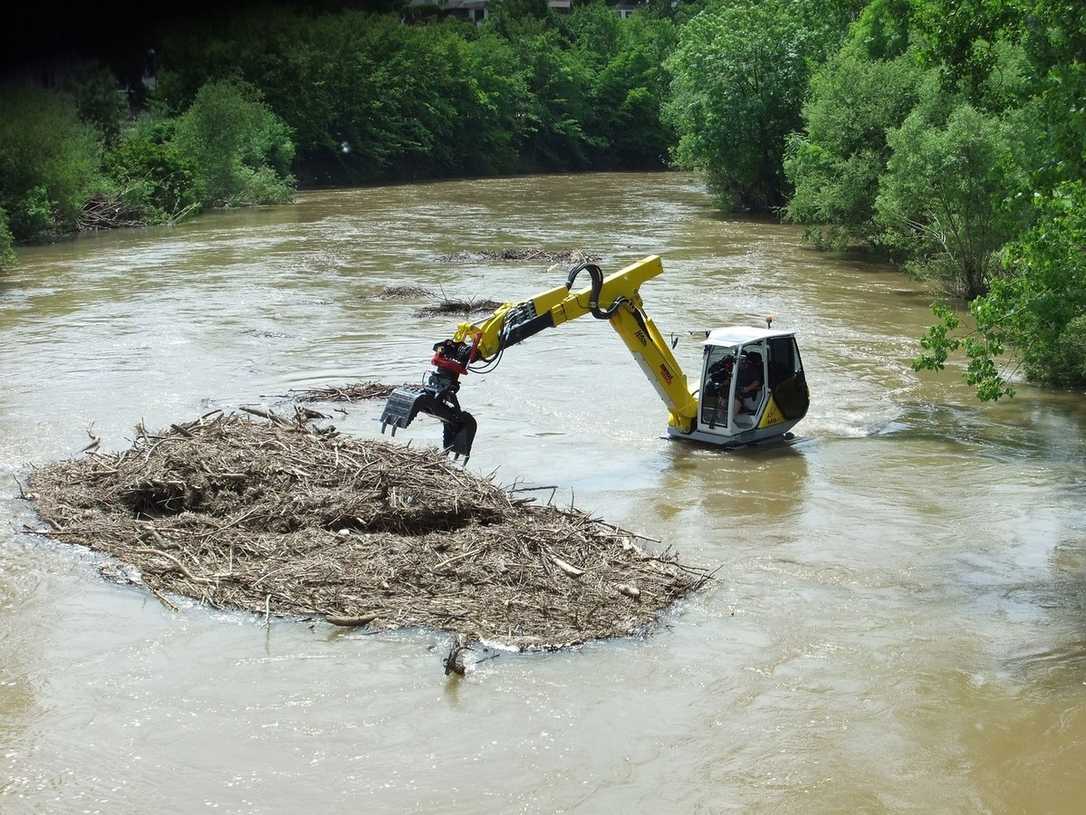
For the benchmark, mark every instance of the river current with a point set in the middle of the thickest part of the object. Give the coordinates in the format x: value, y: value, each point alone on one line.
x: 899, y: 619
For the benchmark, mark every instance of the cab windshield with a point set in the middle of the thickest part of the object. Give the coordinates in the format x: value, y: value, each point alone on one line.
x: 716, y: 388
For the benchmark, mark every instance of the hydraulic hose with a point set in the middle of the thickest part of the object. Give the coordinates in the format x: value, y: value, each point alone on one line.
x: 596, y: 274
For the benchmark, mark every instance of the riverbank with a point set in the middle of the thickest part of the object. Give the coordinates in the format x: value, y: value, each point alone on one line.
x: 65, y: 169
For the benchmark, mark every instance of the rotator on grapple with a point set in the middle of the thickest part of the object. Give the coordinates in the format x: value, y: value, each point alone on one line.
x: 771, y: 380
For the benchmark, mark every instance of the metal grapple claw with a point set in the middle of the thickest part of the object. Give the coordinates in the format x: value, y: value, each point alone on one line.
x: 404, y: 404
x: 457, y: 438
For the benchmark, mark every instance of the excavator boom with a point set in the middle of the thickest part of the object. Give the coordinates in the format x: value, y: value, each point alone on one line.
x: 477, y: 347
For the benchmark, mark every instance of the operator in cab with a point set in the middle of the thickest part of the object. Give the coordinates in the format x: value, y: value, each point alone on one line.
x: 749, y: 384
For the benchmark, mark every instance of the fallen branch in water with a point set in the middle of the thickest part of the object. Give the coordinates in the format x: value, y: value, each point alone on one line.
x: 404, y: 293
x: 263, y: 414
x: 94, y: 440
x: 109, y: 212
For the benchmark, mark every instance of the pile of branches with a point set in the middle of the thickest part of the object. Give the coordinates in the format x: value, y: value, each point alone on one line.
x: 115, y: 210
x: 355, y: 392
x: 404, y: 293
x: 280, y: 517
x: 109, y: 212
x: 448, y: 305
x: 531, y: 253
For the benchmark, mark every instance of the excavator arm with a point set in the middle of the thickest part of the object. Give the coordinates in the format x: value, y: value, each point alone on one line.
x: 477, y: 347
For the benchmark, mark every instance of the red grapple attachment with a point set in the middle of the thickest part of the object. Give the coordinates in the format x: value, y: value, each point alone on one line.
x: 437, y: 398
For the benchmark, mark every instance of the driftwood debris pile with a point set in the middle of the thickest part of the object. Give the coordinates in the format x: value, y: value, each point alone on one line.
x: 354, y: 392
x: 404, y: 293
x: 114, y: 211
x: 438, y: 305
x: 283, y: 518
x: 448, y: 305
x: 531, y: 253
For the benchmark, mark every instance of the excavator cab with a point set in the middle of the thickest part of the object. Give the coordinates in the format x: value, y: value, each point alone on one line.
x: 752, y: 386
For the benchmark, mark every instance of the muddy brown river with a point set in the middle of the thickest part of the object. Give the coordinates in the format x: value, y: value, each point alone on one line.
x: 899, y: 623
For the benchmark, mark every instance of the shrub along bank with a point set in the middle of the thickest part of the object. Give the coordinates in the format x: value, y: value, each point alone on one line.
x: 61, y: 171
x: 946, y: 135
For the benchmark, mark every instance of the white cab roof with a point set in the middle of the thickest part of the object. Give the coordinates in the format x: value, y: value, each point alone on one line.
x: 742, y: 334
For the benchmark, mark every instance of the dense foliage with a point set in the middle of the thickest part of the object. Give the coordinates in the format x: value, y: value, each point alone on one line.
x: 836, y: 164
x: 240, y: 150
x: 48, y: 162
x: 69, y: 161
x: 951, y: 195
x: 946, y: 135
x: 951, y: 134
x: 1037, y: 308
x: 149, y: 173
x: 740, y: 74
x: 369, y: 98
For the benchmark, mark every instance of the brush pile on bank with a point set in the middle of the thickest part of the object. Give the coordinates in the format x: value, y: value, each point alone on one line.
x: 283, y: 518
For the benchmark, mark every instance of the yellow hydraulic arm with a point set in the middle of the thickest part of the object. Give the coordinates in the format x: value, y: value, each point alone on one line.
x: 615, y: 298
x: 626, y: 313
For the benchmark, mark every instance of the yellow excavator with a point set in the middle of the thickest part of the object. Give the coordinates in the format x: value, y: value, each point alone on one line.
x: 752, y: 385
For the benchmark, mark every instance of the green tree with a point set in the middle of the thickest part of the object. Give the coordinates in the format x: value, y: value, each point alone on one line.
x: 49, y: 162
x: 559, y: 105
x: 99, y: 100
x: 967, y: 40
x: 629, y: 87
x: 240, y: 151
x: 637, y: 82
x: 1036, y: 312
x: 882, y: 31
x: 514, y: 19
x: 149, y: 174
x: 836, y: 164
x: 952, y: 195
x: 493, y: 128
x: 740, y: 74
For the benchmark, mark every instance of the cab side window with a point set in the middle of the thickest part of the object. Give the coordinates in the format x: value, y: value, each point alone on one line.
x: 782, y: 360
